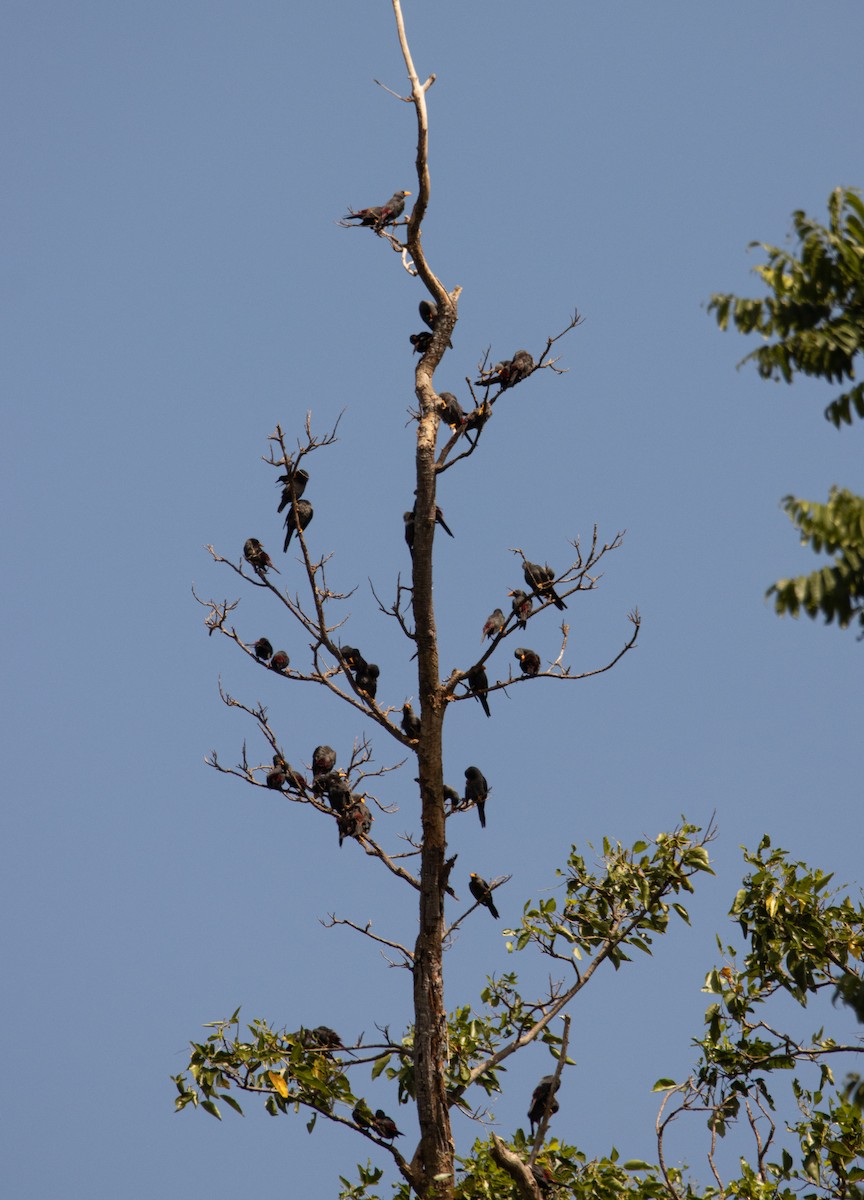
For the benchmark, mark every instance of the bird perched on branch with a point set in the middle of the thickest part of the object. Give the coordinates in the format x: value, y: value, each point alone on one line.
x: 543, y: 1177
x: 292, y: 777
x: 478, y: 685
x: 509, y: 372
x: 477, y: 791
x: 451, y: 411
x: 338, y: 790
x: 352, y: 658
x: 379, y: 215
x: 324, y: 1037
x: 540, y: 580
x: 494, y: 624
x: 385, y: 1126
x: 410, y: 722
x: 257, y: 557
x: 540, y: 1097
x: 355, y: 820
x: 429, y: 315
x: 367, y: 679
x: 528, y: 660
x: 323, y: 760
x: 482, y: 893
x: 521, y: 366
x: 305, y: 513
x: 297, y: 478
x: 263, y: 649
x: 449, y: 793
x: 279, y: 662
x: 420, y: 341
x: 275, y: 779
x: 522, y: 606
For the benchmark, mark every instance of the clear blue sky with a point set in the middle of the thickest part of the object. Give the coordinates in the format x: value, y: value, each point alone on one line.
x: 173, y: 285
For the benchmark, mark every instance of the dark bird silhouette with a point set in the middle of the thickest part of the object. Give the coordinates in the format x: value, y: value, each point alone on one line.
x: 292, y: 777
x: 257, y: 557
x: 528, y: 660
x: 543, y: 1177
x: 451, y: 411
x: 521, y: 366
x: 279, y: 662
x: 478, y: 685
x: 439, y: 520
x: 323, y: 760
x: 540, y: 580
x: 509, y: 372
x: 453, y: 796
x: 429, y: 315
x: 305, y: 513
x: 522, y: 605
x: 408, y: 518
x: 385, y: 1126
x: 367, y: 679
x: 379, y: 215
x: 540, y: 1097
x: 420, y: 341
x: 410, y: 722
x: 263, y: 649
x: 324, y: 1037
x: 338, y: 790
x: 355, y: 820
x: 362, y: 1115
x: 476, y: 791
x: 298, y: 477
x: 494, y: 624
x: 476, y: 419
x: 352, y: 658
x: 482, y: 893
x: 275, y: 779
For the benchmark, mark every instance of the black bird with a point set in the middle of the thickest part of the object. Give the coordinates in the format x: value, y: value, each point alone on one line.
x: 420, y: 341
x: 521, y: 366
x: 299, y: 478
x: 385, y: 1126
x: 279, y: 662
x: 478, y: 685
x: 276, y: 779
x: 494, y: 624
x: 410, y: 722
x: 543, y: 1177
x: 528, y: 660
x: 323, y: 760
x: 478, y: 418
x: 429, y: 315
x: 499, y: 374
x: 540, y: 1097
x: 482, y: 893
x: 338, y: 790
x: 323, y: 1036
x: 449, y: 793
x: 522, y: 605
x: 305, y: 513
x: 540, y: 580
x: 367, y: 679
x: 355, y: 820
x: 439, y: 520
x: 257, y: 556
x: 476, y: 791
x: 263, y: 649
x: 451, y: 411
x: 352, y: 658
x: 362, y: 1115
x: 380, y: 215
x: 292, y: 778
x: 408, y: 518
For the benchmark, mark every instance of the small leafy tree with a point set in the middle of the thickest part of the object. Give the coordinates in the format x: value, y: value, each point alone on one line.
x: 446, y: 1061
x: 812, y: 322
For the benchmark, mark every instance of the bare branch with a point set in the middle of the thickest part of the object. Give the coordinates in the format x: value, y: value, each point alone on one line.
x: 366, y: 930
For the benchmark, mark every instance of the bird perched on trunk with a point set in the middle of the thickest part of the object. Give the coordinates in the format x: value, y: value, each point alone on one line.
x: 410, y: 518
x: 263, y: 649
x: 451, y: 411
x: 478, y: 685
x: 543, y: 1095
x: 279, y: 662
x: 420, y: 341
x: 528, y: 660
x: 482, y: 893
x: 379, y: 215
x: 410, y: 722
x: 522, y: 605
x: 540, y: 580
x: 429, y: 315
x: 385, y: 1126
x: 296, y: 478
x: 476, y: 791
x: 323, y: 760
x: 304, y: 512
x: 494, y: 624
x: 257, y: 557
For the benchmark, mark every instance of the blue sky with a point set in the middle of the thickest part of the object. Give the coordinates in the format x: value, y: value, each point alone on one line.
x: 174, y: 284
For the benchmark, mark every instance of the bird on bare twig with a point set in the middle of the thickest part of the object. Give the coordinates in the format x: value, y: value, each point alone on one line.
x: 451, y: 411
x: 540, y: 580
x: 482, y: 893
x: 429, y: 315
x: 522, y: 605
x: 298, y: 478
x: 263, y: 649
x: 493, y: 625
x: 509, y: 372
x: 477, y: 791
x: 379, y: 215
x: 279, y: 662
x: 385, y: 1126
x: 257, y: 557
x: 323, y: 760
x: 478, y: 684
x: 547, y: 1087
x: 449, y: 793
x: 528, y: 661
x: 305, y: 513
x: 355, y: 820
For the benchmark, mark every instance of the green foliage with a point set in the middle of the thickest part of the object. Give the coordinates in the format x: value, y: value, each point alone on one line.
x: 815, y: 316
